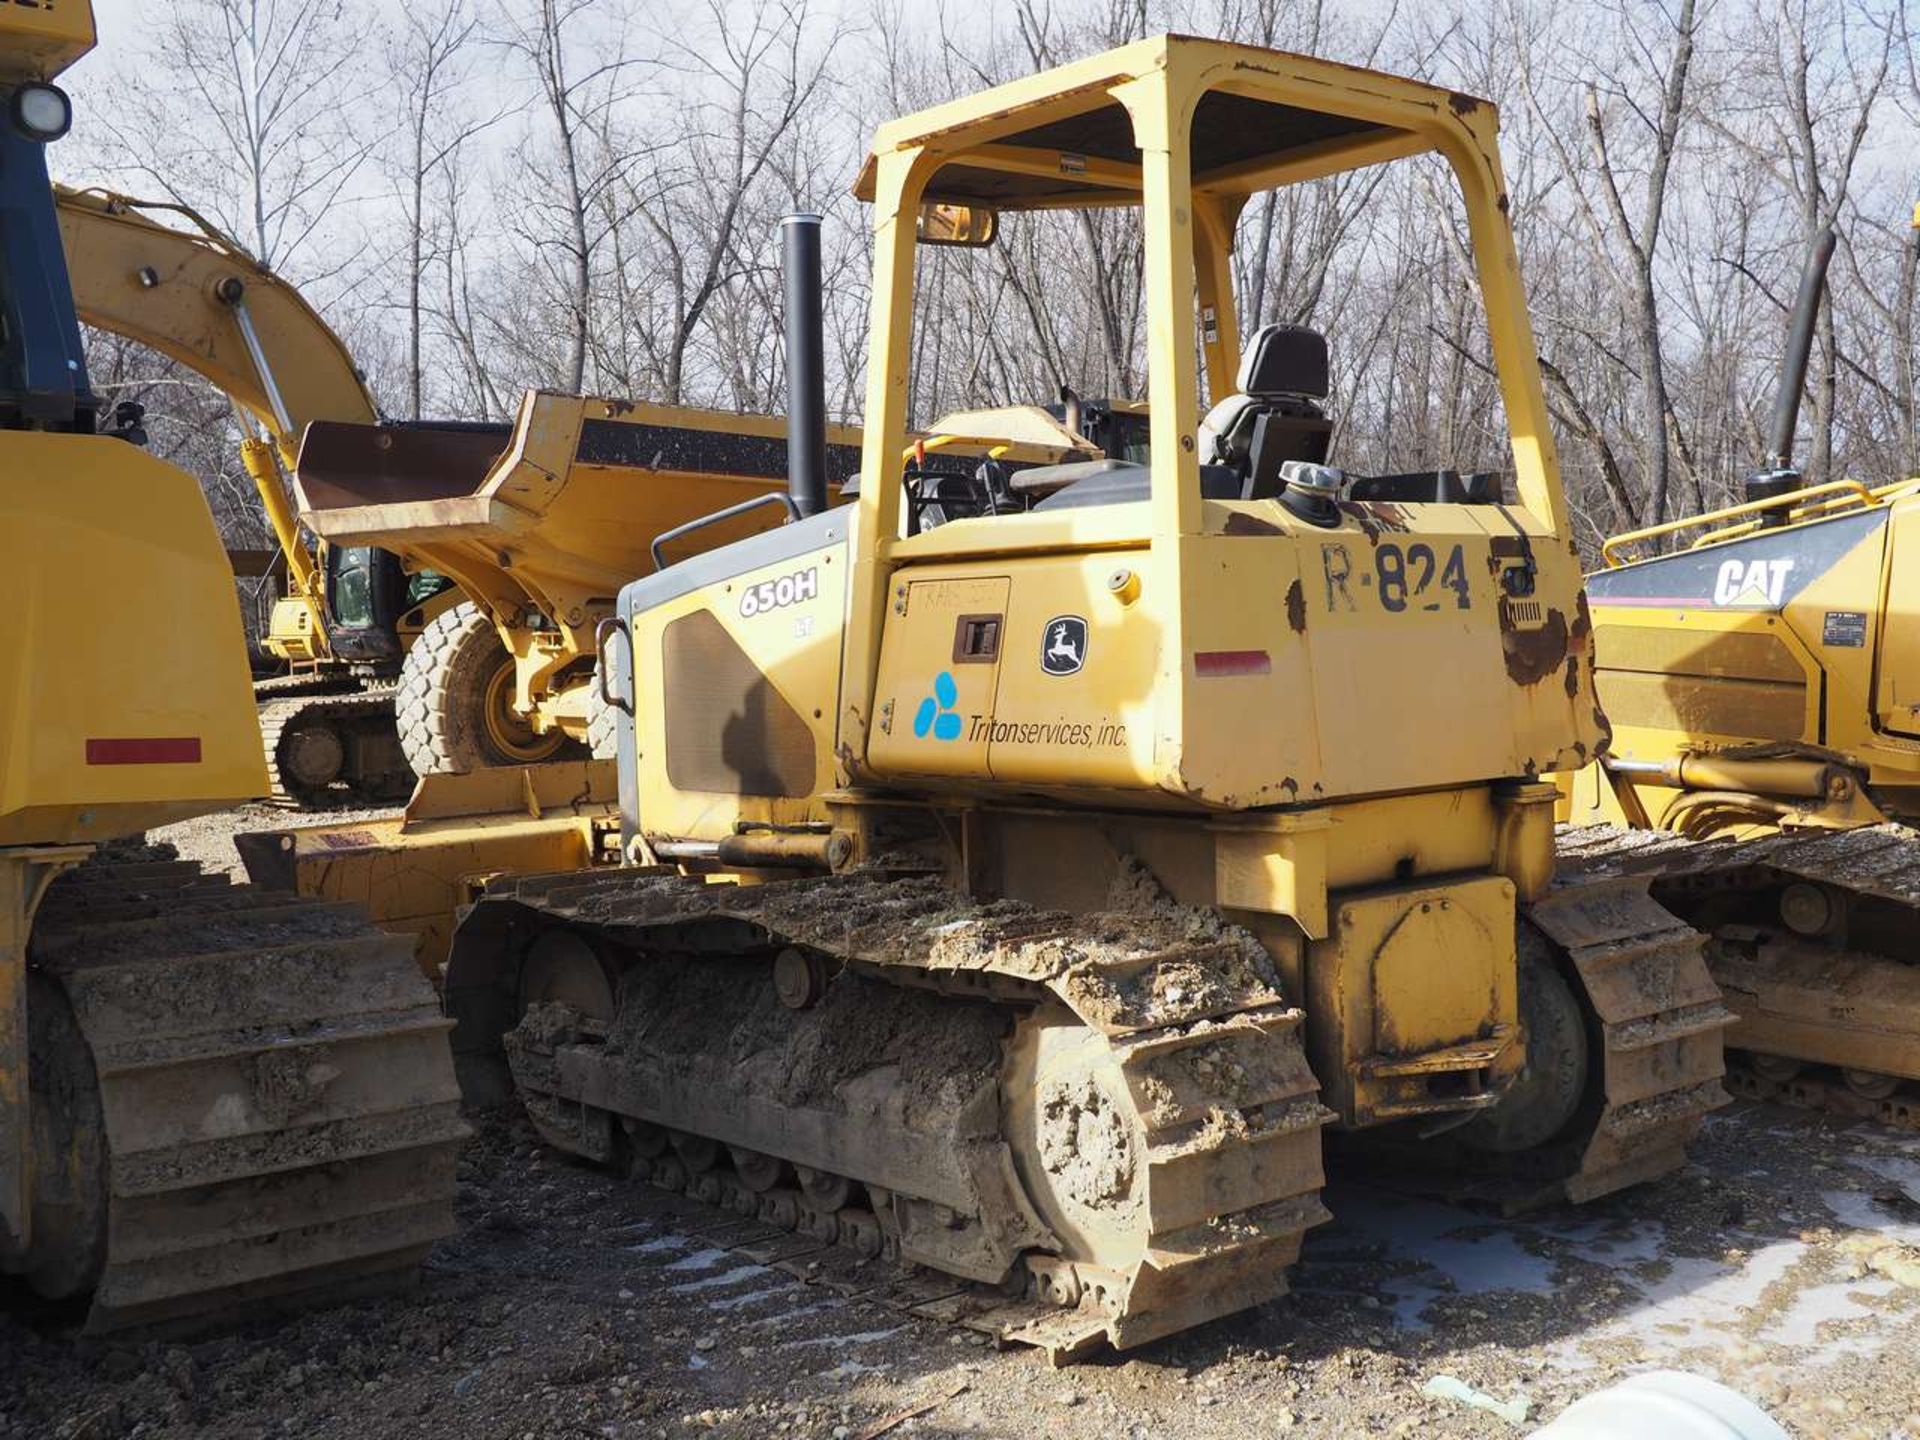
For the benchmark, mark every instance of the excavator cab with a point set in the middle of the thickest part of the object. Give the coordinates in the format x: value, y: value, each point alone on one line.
x: 371, y: 602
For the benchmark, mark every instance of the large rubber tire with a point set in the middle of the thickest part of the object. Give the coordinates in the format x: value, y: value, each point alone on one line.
x: 602, y: 720
x: 452, y: 708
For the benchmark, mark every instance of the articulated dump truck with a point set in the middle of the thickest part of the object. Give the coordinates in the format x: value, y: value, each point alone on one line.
x: 1020, y: 875
x: 1761, y: 668
x: 539, y: 523
x: 211, y: 1096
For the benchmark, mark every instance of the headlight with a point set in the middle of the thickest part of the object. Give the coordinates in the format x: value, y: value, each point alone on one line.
x: 42, y: 112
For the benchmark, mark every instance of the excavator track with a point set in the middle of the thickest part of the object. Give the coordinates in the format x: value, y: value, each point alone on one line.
x: 325, y: 748
x: 242, y: 1098
x: 304, y: 682
x: 1072, y: 1131
x: 1806, y: 933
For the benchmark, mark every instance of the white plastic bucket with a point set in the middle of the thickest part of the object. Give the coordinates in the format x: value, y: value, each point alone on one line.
x: 1669, y: 1404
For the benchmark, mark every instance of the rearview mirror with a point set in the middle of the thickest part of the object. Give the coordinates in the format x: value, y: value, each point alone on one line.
x: 970, y: 226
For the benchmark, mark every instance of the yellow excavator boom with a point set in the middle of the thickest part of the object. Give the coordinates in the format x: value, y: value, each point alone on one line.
x: 197, y: 297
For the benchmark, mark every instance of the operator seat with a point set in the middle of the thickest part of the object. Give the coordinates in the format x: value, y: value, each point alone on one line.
x: 1245, y: 439
x: 1277, y: 415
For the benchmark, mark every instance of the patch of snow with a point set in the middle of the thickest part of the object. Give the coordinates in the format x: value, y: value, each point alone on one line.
x: 722, y: 1281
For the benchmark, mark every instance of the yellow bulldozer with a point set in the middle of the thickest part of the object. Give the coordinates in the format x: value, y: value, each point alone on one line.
x: 1761, y: 668
x: 210, y: 1096
x: 1019, y: 873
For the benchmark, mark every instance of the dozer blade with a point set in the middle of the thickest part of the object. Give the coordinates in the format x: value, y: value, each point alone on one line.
x: 413, y: 874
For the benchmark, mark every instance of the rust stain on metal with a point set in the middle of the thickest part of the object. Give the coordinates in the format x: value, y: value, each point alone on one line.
x: 1532, y: 655
x: 1238, y: 524
x: 1573, y: 677
x: 1463, y: 104
x: 1291, y: 786
x: 1375, y: 517
x: 346, y: 839
x: 1297, y: 607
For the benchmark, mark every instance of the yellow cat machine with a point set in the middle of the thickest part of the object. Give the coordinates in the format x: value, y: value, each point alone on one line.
x: 1018, y: 878
x: 350, y: 612
x: 1763, y: 680
x: 210, y: 1096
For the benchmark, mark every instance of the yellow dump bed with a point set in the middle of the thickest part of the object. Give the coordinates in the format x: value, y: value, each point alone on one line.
x: 553, y: 514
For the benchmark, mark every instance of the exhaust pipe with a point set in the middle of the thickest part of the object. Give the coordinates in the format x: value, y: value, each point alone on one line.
x: 1793, y: 364
x: 806, y: 364
x: 1779, y: 476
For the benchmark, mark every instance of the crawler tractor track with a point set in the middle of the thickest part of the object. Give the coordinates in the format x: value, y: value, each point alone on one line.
x: 1095, y: 1129
x: 241, y: 1097
x: 1653, y: 1021
x: 318, y: 747
x: 1812, y: 939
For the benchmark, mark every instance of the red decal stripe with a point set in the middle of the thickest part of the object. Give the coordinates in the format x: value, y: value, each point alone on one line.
x: 1211, y: 664
x: 171, y: 750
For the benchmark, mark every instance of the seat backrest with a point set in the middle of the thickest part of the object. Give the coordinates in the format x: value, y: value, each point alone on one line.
x: 1284, y: 360
x: 1282, y: 378
x: 1281, y: 432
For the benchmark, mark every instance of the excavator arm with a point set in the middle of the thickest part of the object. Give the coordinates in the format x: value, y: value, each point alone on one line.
x: 200, y: 299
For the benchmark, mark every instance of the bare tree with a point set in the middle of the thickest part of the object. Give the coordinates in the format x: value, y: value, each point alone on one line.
x: 431, y: 60
x: 577, y: 52
x: 246, y: 109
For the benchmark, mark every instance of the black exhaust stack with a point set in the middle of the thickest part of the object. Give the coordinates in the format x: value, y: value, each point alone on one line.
x: 1780, y: 477
x: 806, y: 364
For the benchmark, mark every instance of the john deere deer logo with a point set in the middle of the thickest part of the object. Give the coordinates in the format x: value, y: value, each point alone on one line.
x: 1063, y: 645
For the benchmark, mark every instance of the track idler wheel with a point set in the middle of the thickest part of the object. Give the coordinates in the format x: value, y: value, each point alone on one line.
x: 1545, y: 1098
x: 1078, y: 1144
x: 1870, y: 1084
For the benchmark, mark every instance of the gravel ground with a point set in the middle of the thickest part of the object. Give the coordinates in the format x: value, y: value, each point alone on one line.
x: 209, y: 838
x: 1785, y: 1260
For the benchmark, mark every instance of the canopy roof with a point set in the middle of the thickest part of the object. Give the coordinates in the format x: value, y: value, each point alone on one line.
x: 1060, y: 138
